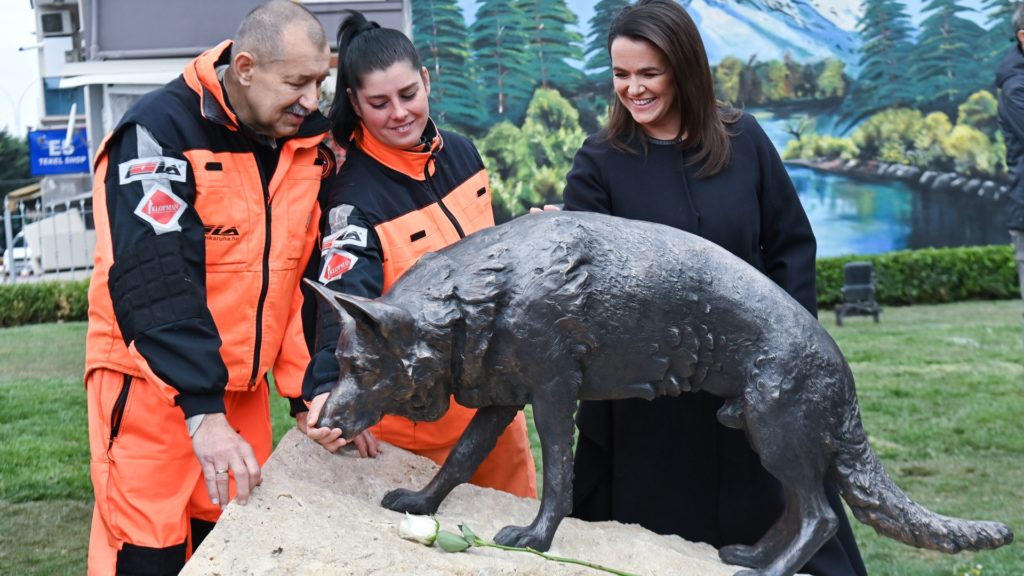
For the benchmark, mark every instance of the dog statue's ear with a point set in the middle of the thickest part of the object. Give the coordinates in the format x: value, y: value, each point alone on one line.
x: 384, y: 319
x: 330, y: 297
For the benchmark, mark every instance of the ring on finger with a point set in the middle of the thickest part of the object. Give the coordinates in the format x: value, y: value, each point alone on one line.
x: 222, y: 472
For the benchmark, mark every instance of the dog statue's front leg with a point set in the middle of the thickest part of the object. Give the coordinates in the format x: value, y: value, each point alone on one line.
x: 473, y: 446
x: 553, y: 411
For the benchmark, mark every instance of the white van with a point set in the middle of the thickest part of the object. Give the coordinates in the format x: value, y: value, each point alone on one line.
x: 60, y: 242
x: 18, y: 257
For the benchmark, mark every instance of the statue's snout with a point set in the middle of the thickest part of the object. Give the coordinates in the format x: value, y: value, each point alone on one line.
x: 352, y: 412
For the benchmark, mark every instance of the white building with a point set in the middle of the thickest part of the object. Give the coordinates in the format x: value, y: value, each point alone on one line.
x: 96, y: 58
x: 102, y: 55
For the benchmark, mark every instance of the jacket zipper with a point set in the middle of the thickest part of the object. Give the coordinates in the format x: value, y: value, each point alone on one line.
x: 430, y: 186
x: 265, y: 287
x: 117, y: 413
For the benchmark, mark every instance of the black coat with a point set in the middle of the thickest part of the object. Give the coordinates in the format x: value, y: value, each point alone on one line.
x: 1010, y: 81
x: 668, y: 464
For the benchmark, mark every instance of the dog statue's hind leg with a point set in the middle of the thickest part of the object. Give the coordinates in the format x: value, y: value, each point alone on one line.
x: 791, y: 452
x: 473, y: 446
x: 769, y: 546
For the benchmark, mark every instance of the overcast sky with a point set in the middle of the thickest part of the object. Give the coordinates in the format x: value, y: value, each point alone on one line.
x: 20, y: 93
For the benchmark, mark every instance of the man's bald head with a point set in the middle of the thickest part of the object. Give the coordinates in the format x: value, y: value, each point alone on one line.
x: 279, y: 59
x: 263, y: 29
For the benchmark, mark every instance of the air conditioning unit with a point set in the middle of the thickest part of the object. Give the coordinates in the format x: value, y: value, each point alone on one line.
x: 56, y: 23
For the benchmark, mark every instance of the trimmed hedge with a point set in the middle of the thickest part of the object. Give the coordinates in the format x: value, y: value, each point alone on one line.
x: 39, y: 302
x: 927, y: 276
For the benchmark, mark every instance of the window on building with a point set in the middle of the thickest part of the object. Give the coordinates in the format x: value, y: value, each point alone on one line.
x: 59, y: 100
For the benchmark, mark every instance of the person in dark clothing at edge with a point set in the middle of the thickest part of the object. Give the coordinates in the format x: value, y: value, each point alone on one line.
x: 672, y: 154
x: 1010, y: 81
x: 406, y: 188
x: 206, y: 202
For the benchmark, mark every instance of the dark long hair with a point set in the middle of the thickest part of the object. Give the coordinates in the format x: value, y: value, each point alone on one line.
x: 665, y: 25
x: 363, y: 47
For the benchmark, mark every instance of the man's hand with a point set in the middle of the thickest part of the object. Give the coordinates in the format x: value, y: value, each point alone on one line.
x: 330, y: 438
x: 219, y: 450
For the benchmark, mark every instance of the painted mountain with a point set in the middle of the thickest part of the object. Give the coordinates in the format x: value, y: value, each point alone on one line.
x: 771, y: 29
x: 768, y: 29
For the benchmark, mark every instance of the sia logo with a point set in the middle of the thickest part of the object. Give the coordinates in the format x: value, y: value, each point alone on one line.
x: 350, y: 235
x: 155, y: 168
x: 221, y: 232
x: 151, y: 168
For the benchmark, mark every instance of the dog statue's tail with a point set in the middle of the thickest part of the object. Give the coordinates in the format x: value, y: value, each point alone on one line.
x: 878, y: 502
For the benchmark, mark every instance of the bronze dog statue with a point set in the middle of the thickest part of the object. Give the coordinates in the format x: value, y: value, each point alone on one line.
x: 555, y: 307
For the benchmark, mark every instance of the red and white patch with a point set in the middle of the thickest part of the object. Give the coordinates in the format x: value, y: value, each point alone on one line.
x: 337, y: 263
x: 161, y: 209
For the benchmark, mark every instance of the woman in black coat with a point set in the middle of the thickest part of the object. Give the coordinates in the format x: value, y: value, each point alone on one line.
x: 674, y: 155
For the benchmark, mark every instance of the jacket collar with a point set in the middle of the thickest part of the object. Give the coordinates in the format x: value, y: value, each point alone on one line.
x: 413, y: 163
x: 201, y: 76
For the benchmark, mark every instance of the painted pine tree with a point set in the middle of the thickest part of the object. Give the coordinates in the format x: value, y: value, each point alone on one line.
x: 886, y: 42
x: 440, y: 35
x: 598, y: 64
x: 944, y: 67
x: 499, y: 42
x: 592, y: 101
x: 1000, y: 35
x: 553, y: 44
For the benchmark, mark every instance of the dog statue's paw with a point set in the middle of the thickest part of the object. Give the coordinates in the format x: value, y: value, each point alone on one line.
x: 523, y: 537
x: 741, y: 555
x: 402, y: 500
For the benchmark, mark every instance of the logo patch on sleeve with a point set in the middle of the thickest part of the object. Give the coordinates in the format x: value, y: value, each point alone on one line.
x: 336, y: 264
x: 350, y: 235
x: 153, y: 168
x: 161, y: 209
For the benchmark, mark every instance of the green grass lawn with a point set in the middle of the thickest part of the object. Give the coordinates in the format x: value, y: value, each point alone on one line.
x: 940, y: 389
x: 942, y: 397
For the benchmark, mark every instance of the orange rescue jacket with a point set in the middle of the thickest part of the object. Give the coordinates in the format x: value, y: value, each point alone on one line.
x: 200, y: 252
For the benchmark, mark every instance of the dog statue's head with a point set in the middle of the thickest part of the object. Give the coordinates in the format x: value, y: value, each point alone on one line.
x: 376, y: 352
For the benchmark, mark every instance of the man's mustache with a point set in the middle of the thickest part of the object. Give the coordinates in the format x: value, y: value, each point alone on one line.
x: 298, y: 110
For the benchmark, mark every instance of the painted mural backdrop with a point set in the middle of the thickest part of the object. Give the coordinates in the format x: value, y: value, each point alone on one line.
x: 835, y: 83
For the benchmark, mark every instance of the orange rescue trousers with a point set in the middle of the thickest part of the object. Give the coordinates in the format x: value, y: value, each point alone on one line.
x: 147, y: 481
x: 150, y: 496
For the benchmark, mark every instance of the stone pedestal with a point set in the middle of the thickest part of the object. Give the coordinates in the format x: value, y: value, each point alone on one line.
x: 319, y: 513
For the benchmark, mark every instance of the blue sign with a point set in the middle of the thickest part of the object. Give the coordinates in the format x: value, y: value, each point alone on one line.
x: 51, y: 154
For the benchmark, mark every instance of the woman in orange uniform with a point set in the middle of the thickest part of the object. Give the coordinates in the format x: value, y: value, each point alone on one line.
x: 406, y: 188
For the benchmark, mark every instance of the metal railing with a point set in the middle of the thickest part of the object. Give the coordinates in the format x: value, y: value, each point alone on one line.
x: 47, y: 242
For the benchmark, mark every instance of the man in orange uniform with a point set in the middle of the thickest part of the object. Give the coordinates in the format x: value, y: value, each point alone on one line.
x: 205, y: 202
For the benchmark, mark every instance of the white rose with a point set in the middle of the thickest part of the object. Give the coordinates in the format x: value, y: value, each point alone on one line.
x: 422, y: 529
